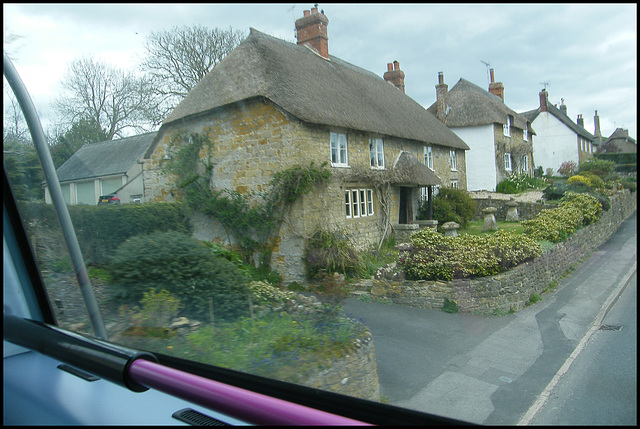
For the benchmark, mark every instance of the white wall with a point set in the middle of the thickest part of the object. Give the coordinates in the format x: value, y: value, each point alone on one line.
x: 554, y: 143
x: 481, y: 158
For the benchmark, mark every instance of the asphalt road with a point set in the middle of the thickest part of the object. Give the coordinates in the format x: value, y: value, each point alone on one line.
x: 491, y: 369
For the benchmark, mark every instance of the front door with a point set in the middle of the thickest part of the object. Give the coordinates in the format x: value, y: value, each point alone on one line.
x: 406, y: 206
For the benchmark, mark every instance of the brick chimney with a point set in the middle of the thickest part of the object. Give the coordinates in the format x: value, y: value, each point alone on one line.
x: 596, y: 125
x: 441, y: 97
x: 311, y: 29
x: 496, y: 88
x: 543, y: 100
x: 580, y: 121
x: 394, y: 75
x: 563, y: 107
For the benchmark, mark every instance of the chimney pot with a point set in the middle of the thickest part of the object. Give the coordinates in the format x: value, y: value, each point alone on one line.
x: 496, y: 88
x: 491, y: 73
x: 441, y: 98
x: 543, y: 100
x: 440, y: 78
x: 312, y: 29
x: 394, y: 75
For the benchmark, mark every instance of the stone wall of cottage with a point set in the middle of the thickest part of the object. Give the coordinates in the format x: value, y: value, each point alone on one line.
x: 511, y: 289
x: 253, y: 140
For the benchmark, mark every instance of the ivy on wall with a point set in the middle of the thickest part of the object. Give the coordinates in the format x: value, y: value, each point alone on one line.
x: 251, y: 218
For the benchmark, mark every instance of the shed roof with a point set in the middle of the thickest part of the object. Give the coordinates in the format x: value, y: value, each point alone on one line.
x: 107, y: 158
x: 408, y: 170
x: 315, y: 90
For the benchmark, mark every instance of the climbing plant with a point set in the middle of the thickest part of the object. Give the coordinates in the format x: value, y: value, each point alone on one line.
x: 251, y: 218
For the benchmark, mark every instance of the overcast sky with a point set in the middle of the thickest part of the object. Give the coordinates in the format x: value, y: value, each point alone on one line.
x: 587, y: 54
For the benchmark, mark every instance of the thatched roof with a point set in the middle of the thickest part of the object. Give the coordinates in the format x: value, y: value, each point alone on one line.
x: 111, y: 157
x: 470, y: 105
x: 315, y: 90
x: 408, y: 170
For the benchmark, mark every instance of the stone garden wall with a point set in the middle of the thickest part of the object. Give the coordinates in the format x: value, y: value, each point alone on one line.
x: 513, y: 288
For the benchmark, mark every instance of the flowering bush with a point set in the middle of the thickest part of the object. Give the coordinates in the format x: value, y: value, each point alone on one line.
x: 557, y: 224
x: 436, y: 257
x: 579, y: 178
x: 263, y: 293
x: 568, y: 168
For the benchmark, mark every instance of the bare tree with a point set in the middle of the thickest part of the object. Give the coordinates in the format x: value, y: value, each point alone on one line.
x: 179, y: 58
x: 115, y: 99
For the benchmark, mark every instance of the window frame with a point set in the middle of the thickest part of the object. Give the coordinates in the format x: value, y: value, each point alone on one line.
x: 507, y: 161
x: 428, y: 156
x: 453, y: 160
x: 338, y: 146
x: 506, y: 128
x: 359, y: 202
x: 376, y: 152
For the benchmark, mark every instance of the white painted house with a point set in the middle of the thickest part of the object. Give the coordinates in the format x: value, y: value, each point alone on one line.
x: 558, y: 138
x: 500, y: 140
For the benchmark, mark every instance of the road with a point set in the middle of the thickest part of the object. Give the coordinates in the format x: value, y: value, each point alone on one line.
x: 497, y: 370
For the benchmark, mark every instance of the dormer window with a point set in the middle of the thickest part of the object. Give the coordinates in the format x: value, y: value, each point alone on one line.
x: 525, y: 135
x: 506, y: 128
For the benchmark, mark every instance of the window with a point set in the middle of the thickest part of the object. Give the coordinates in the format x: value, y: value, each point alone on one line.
x: 339, y: 150
x: 376, y: 152
x: 453, y: 160
x: 525, y: 134
x: 453, y: 184
x: 428, y: 156
x: 525, y: 163
x: 507, y: 161
x: 358, y: 202
x: 506, y: 128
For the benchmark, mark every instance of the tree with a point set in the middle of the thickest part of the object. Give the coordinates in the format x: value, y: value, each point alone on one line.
x: 83, y: 131
x: 115, y: 99
x: 179, y: 58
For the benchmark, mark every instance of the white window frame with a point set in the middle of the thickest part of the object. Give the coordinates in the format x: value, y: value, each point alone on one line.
x: 525, y: 163
x: 428, y: 156
x: 453, y: 160
x: 347, y: 202
x: 339, y: 152
x: 355, y: 203
x: 376, y: 152
x: 453, y: 184
x: 506, y: 128
x: 525, y: 134
x: 358, y: 202
x: 507, y: 161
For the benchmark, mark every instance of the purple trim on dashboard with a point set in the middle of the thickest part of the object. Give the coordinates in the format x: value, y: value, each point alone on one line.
x: 240, y: 403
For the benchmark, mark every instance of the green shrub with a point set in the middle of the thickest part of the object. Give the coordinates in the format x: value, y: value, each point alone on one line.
x: 587, y: 204
x: 507, y: 187
x: 450, y: 205
x: 595, y: 180
x: 450, y: 306
x: 185, y: 268
x: 598, y: 166
x: 436, y: 257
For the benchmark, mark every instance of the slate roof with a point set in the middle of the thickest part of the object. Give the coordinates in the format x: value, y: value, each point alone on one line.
x: 315, y: 90
x: 531, y: 115
x: 470, y: 105
x: 111, y: 157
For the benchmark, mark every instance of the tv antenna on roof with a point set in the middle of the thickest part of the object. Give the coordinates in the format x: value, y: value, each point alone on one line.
x: 546, y: 83
x: 488, y: 64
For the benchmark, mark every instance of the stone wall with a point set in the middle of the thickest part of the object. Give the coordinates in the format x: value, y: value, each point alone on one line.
x: 356, y: 374
x: 511, y: 289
